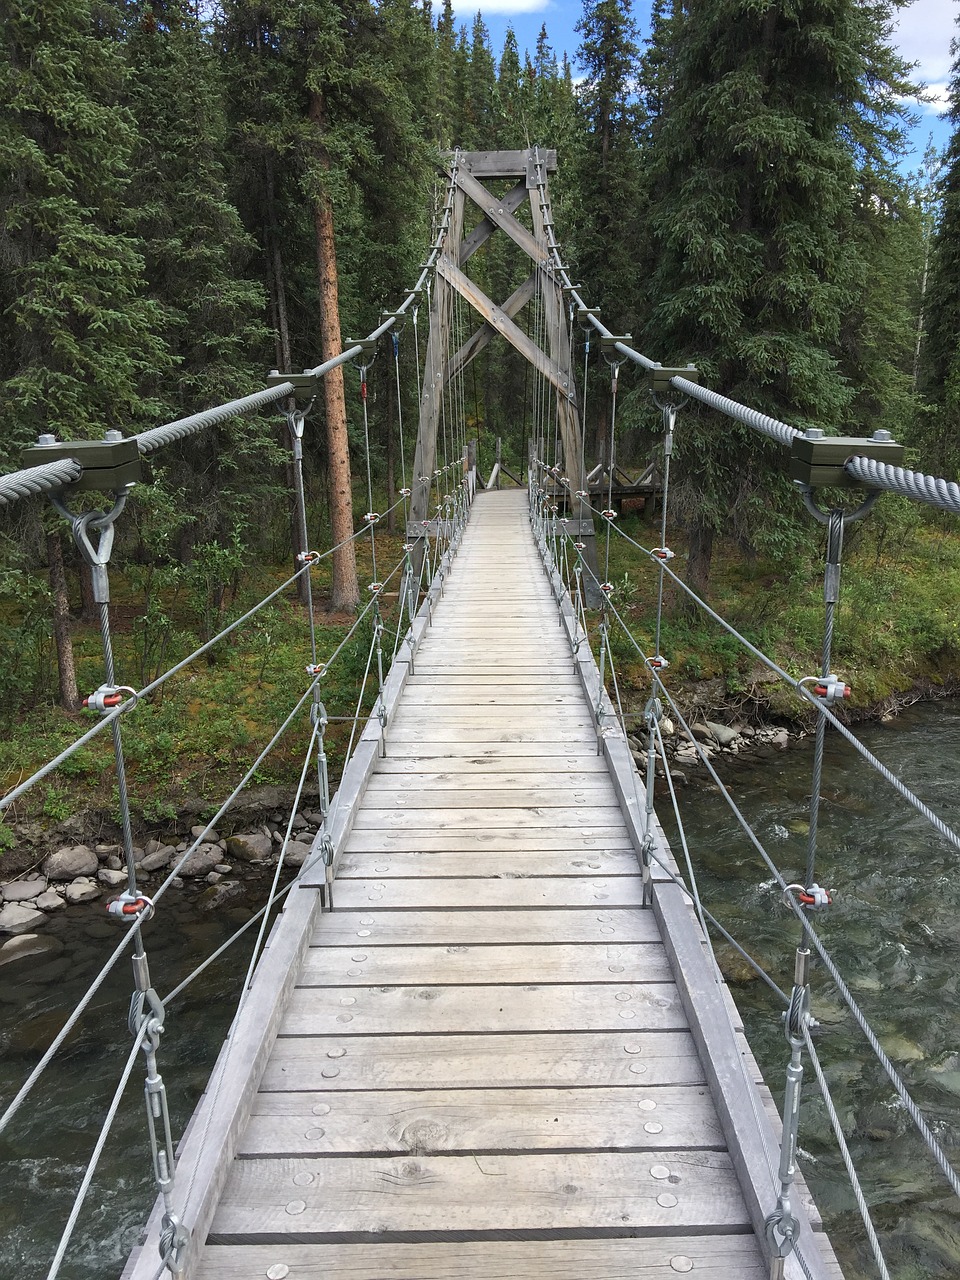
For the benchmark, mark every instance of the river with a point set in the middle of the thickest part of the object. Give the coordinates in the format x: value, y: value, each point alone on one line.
x: 894, y: 929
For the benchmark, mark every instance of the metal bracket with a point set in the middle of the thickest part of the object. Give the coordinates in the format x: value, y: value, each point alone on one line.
x: 305, y: 385
x: 608, y: 346
x: 817, y: 460
x: 109, y: 465
x: 660, y: 377
x: 368, y: 352
x: 97, y: 557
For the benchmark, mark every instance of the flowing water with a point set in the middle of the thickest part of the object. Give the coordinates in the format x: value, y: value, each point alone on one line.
x: 894, y: 930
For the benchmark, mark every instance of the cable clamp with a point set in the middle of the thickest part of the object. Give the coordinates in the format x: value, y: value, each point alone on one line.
x: 580, y: 546
x: 405, y: 493
x: 583, y: 495
x: 408, y: 546
x: 107, y: 697
x: 662, y: 553
x: 609, y: 514
x: 564, y: 519
x: 564, y: 480
x: 308, y: 557
x: 828, y: 689
x: 132, y: 906
x: 375, y: 586
x: 812, y: 896
x: 439, y: 471
x: 372, y: 517
x: 607, y: 588
x: 658, y: 662
x: 316, y: 668
x: 554, y: 508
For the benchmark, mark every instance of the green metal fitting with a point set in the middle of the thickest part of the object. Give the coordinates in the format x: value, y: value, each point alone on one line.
x: 369, y: 349
x: 608, y: 345
x: 660, y: 376
x: 305, y: 385
x: 818, y: 460
x: 108, y: 465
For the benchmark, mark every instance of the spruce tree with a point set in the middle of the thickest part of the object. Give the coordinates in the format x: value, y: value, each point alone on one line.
x: 758, y: 266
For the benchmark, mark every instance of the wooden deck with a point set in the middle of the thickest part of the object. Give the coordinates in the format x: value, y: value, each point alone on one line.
x: 486, y: 1065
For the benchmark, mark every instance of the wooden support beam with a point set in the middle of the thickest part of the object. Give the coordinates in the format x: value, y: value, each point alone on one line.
x: 484, y: 229
x: 495, y: 209
x: 502, y: 323
x: 476, y: 343
x: 504, y: 164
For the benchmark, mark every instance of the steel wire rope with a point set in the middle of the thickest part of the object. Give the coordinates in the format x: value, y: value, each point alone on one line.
x: 369, y: 466
x: 933, y: 490
x: 903, y: 790
x: 862, y: 1206
x: 48, y: 477
x: 373, y: 641
x: 669, y: 418
x: 106, y: 1126
x: 131, y: 703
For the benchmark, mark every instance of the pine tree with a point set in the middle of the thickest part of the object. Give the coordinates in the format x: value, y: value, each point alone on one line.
x: 940, y: 351
x: 79, y: 335
x: 758, y: 260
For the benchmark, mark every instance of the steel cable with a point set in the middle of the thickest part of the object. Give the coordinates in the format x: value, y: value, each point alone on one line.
x: 910, y: 484
x: 48, y: 477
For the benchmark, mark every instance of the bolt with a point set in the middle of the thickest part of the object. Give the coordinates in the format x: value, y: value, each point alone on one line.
x: 112, y: 436
x: 813, y: 433
x: 882, y: 435
x: 46, y: 438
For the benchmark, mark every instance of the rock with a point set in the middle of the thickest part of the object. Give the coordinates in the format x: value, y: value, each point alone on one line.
x: 299, y: 822
x: 158, y: 858
x: 218, y: 895
x: 105, y: 850
x: 152, y: 846
x: 50, y: 901
x: 113, y: 863
x: 176, y: 883
x: 667, y: 727
x: 83, y: 889
x: 67, y: 864
x: 206, y: 834
x: 701, y: 732
x: 28, y: 944
x: 250, y: 848
x: 22, y: 890
x: 112, y: 879
x: 780, y: 740
x: 679, y: 779
x: 202, y: 861
x: 722, y: 735
x: 224, y: 868
x: 16, y: 918
x: 213, y: 877
x: 297, y: 854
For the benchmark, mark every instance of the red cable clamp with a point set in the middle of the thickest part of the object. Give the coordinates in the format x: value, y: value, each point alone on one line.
x: 662, y: 553
x: 316, y: 669
x: 606, y: 588
x: 831, y: 689
x: 816, y: 896
x: 375, y: 586
x: 582, y: 493
x: 363, y: 389
x: 131, y: 906
x: 405, y: 493
x: 372, y: 517
x: 580, y: 546
x: 658, y: 662
x: 107, y: 697
x: 609, y: 514
x: 308, y: 557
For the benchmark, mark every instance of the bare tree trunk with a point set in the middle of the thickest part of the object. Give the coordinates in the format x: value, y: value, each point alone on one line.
x: 69, y: 695
x: 699, y: 557
x: 88, y: 608
x: 344, y: 587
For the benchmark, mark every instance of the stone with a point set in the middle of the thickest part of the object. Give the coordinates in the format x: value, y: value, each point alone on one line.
x: 250, y: 848
x: 202, y: 861
x: 152, y: 846
x: 218, y: 895
x: 299, y: 822
x: 104, y: 850
x: 679, y: 779
x: 68, y: 863
x: 213, y: 877
x: 297, y: 853
x: 206, y: 834
x: 50, y: 900
x: 667, y: 727
x: 16, y: 918
x: 22, y: 890
x: 83, y: 889
x: 701, y: 732
x: 112, y: 879
x: 113, y: 863
x: 224, y: 868
x: 158, y: 858
x: 722, y: 735
x: 28, y: 944
x: 780, y: 740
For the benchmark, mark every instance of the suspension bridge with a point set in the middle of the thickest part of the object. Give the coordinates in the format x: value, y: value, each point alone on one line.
x: 487, y: 1034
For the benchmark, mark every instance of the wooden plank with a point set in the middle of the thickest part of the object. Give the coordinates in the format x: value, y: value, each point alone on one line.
x: 454, y: 1197
x: 460, y: 1121
x: 456, y: 749
x: 563, y: 796
x: 722, y: 1257
x: 463, y: 965
x: 588, y: 892
x: 511, y: 865
x: 498, y: 840
x: 571, y: 1061
x: 377, y: 927
x: 473, y: 736
x: 410, y: 818
x: 489, y: 780
x: 490, y: 1010
x: 477, y: 768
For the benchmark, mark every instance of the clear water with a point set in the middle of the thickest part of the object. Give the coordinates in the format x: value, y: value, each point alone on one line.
x: 894, y: 930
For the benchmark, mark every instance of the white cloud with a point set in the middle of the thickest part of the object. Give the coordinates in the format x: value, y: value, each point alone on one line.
x: 923, y: 36
x: 467, y: 8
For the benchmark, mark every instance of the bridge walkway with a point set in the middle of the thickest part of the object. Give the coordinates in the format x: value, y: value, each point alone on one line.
x: 484, y: 1069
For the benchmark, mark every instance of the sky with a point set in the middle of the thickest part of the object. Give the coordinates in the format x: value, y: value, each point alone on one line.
x: 923, y: 36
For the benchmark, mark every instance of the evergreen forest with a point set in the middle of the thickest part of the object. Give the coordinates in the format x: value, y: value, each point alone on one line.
x: 193, y: 195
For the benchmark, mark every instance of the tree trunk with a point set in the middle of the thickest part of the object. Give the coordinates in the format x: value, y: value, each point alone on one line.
x: 69, y: 695
x: 391, y: 457
x: 699, y: 556
x: 344, y: 587
x: 88, y: 608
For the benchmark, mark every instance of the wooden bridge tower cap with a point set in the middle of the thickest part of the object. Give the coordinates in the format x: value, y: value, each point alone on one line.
x: 502, y: 164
